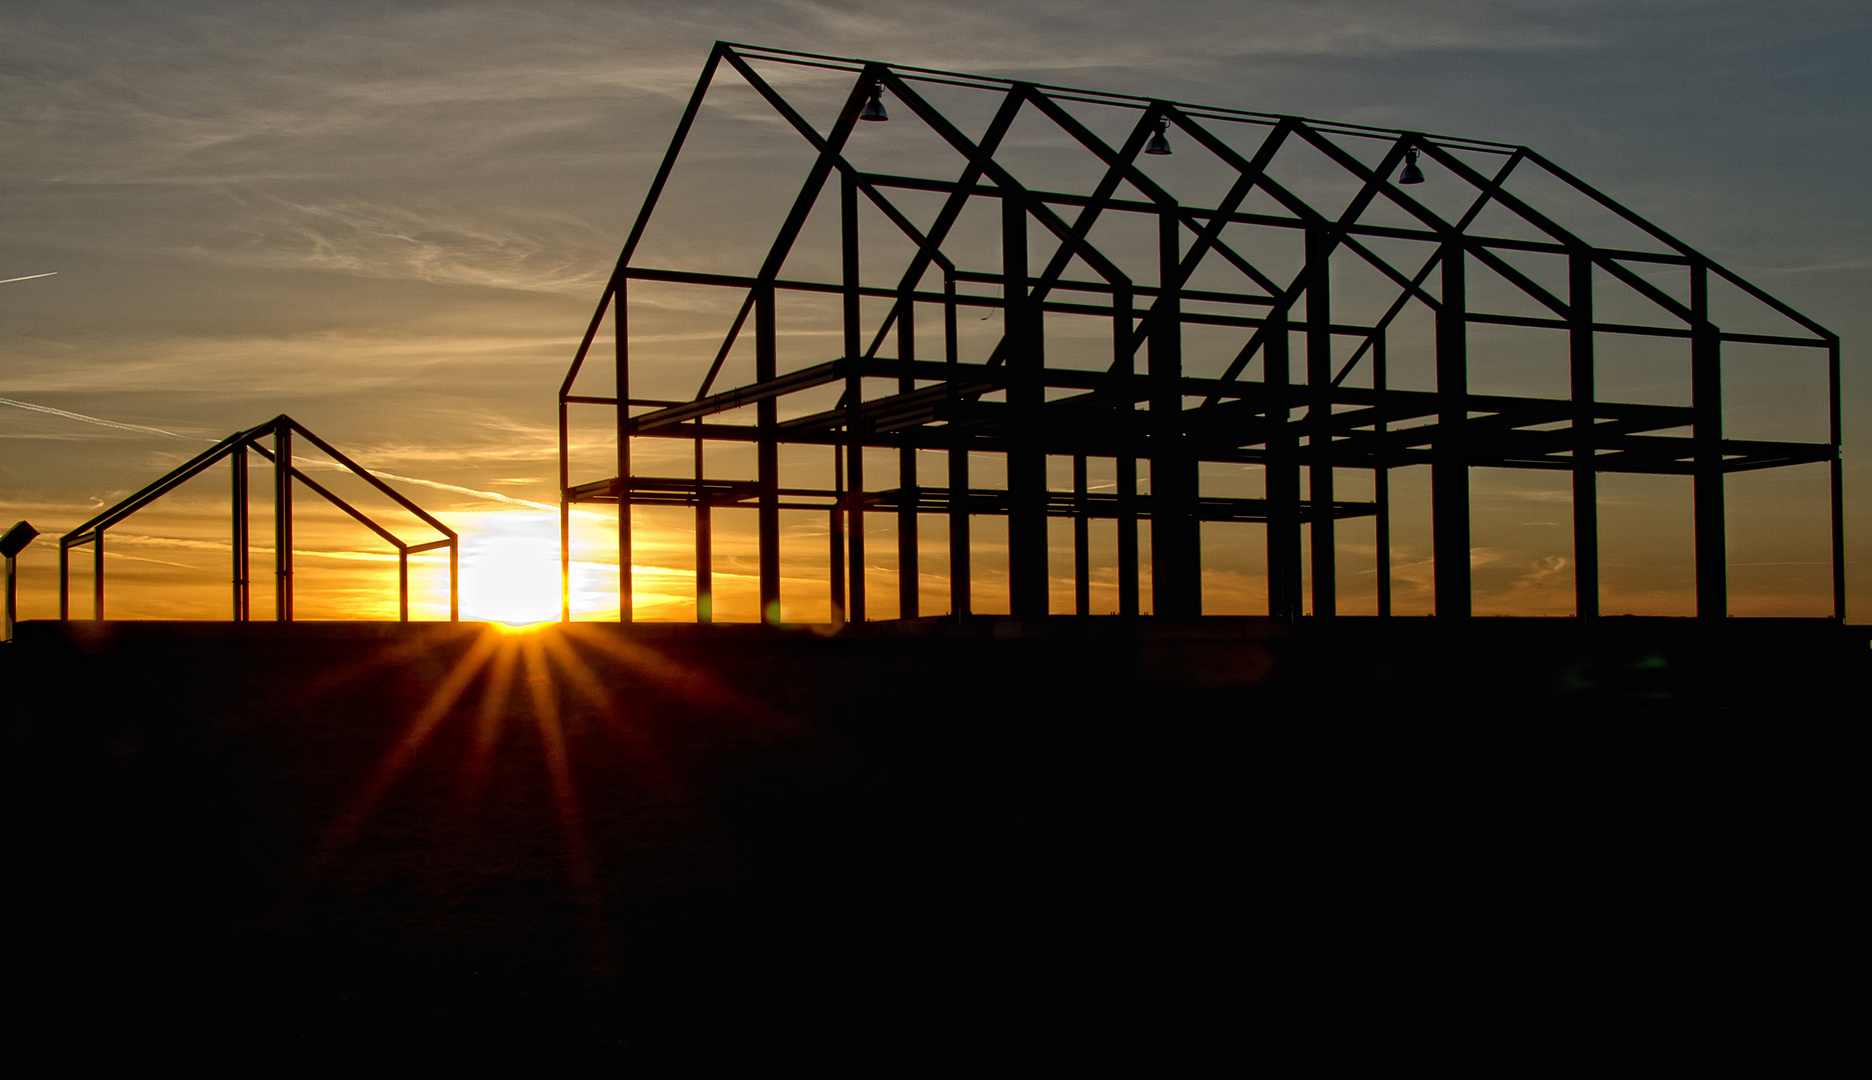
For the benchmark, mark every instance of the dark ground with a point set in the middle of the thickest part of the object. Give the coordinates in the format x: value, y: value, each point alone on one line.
x: 1013, y: 845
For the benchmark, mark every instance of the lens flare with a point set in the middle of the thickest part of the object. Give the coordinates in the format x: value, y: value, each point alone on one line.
x: 568, y: 683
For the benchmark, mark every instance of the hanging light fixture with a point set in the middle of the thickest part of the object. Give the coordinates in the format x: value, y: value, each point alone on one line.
x: 1158, y: 144
x: 1411, y: 174
x: 874, y: 109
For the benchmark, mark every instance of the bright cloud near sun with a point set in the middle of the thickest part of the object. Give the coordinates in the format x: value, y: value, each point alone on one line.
x: 510, y: 568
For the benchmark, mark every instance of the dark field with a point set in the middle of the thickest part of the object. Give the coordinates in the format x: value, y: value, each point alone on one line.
x: 1073, y: 842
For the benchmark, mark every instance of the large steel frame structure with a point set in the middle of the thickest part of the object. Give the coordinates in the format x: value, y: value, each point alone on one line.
x: 1303, y: 419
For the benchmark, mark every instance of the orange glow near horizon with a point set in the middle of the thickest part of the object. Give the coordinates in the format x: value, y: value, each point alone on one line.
x: 176, y: 569
x: 520, y: 627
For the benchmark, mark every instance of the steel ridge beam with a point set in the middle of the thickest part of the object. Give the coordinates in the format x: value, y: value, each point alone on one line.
x: 991, y: 83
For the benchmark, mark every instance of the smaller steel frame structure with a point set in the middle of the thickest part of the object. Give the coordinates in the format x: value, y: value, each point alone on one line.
x: 280, y: 431
x: 1301, y: 391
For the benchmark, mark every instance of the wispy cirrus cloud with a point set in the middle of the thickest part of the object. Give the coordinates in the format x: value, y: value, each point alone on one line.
x: 82, y: 418
x: 421, y: 242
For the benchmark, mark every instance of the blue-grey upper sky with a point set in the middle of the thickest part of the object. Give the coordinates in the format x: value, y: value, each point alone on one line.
x: 391, y: 219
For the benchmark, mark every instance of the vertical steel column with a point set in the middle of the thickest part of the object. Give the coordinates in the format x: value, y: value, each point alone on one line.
x: 1712, y: 556
x: 64, y: 582
x: 1124, y: 367
x: 282, y: 522
x: 97, y: 575
x: 1449, y: 469
x: 1283, y: 473
x: 767, y: 454
x: 704, y: 542
x: 854, y: 397
x: 454, y: 550
x: 959, y: 584
x: 620, y: 324
x: 237, y: 480
x: 836, y: 536
x: 1321, y: 531
x: 1585, y: 470
x: 565, y: 515
x: 908, y: 499
x: 1082, y: 541
x: 1838, y: 479
x: 1026, y: 462
x: 1381, y: 488
x: 1130, y: 593
x: 402, y: 584
x: 1176, y: 543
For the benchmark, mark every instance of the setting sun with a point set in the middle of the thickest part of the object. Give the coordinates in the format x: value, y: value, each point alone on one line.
x: 510, y: 569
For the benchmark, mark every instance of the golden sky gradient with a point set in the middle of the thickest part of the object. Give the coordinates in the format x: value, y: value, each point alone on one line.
x: 391, y: 222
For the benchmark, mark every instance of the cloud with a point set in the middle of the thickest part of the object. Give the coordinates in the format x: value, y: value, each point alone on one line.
x: 489, y: 496
x: 1541, y: 571
x: 146, y: 559
x: 288, y: 365
x: 308, y: 463
x: 1059, y: 35
x: 426, y: 242
x: 1818, y: 268
x: 231, y: 93
x: 91, y: 419
x: 1479, y: 556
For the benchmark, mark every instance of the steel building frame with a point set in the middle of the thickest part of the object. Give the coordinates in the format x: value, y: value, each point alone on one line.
x: 234, y: 448
x: 1300, y: 417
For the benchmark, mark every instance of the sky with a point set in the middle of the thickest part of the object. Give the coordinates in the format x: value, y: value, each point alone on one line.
x: 391, y: 221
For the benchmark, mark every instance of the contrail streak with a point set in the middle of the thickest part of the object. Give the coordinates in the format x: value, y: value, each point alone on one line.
x: 29, y: 277
x: 490, y: 496
x: 90, y: 419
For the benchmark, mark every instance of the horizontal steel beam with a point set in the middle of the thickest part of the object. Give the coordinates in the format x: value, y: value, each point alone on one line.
x: 803, y: 379
x: 680, y: 491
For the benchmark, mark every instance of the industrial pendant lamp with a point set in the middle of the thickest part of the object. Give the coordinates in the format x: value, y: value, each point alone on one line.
x: 1158, y: 144
x: 874, y: 109
x: 1411, y: 174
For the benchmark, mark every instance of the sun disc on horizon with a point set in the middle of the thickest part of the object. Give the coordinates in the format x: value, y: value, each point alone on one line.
x: 510, y: 573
